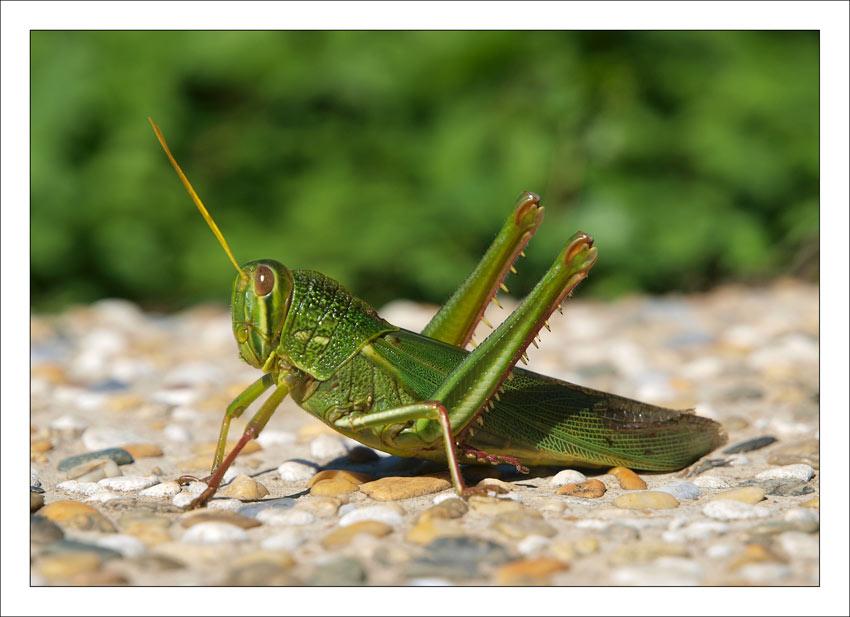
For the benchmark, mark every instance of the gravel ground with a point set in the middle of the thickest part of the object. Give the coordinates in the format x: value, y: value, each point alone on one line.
x: 150, y: 391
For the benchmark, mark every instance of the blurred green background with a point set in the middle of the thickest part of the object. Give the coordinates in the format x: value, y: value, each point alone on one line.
x: 388, y: 160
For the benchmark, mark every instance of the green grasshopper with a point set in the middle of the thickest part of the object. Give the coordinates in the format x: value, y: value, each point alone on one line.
x: 424, y: 395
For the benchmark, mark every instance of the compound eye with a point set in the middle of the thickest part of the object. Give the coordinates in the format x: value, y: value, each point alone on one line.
x: 263, y: 281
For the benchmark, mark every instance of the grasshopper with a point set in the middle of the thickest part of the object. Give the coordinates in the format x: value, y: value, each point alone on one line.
x: 423, y: 394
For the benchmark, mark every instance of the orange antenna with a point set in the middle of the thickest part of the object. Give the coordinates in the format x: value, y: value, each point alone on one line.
x: 190, y: 189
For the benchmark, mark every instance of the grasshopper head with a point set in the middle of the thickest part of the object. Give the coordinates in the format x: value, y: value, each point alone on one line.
x: 259, y: 305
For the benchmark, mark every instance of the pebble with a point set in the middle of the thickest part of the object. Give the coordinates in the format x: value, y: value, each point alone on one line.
x: 646, y: 500
x: 727, y: 510
x: 522, y: 523
x: 765, y: 573
x: 182, y: 500
x: 341, y: 572
x: 327, y: 447
x: 68, y: 425
x: 41, y: 445
x: 711, y: 482
x: 127, y: 545
x: 218, y: 516
x: 590, y: 489
x: 567, y: 476
x: 628, y: 479
x: 814, y: 502
x: 322, y: 507
x: 754, y: 553
x: 395, y: 488
x: 214, y: 532
x: 293, y: 471
x: 104, y: 495
x: 338, y: 474
x: 747, y: 494
x: 271, y: 438
x: 143, y: 450
x: 646, y: 551
x: 681, y: 490
x: 75, y: 515
x: 797, y: 544
x: 286, y: 540
x: 533, y: 544
x: 76, y: 487
x: 426, y: 530
x: 129, y: 484
x: 341, y: 536
x: 277, y: 516
x: 44, y: 531
x: 786, y: 488
x: 260, y: 574
x: 750, y: 444
x: 491, y: 506
x: 384, y: 514
x: 92, y: 471
x: 529, y: 571
x: 230, y: 505
x: 162, y: 490
x: 65, y: 565
x: 333, y: 487
x: 458, y: 557
x: 119, y: 455
x: 75, y: 546
x: 698, y: 530
x: 806, y: 451
x: 244, y: 488
x: 802, y: 516
x: 446, y: 509
x: 254, y: 509
x: 36, y: 500
x: 800, y: 471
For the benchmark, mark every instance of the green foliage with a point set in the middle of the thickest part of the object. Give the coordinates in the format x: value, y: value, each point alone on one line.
x: 388, y: 160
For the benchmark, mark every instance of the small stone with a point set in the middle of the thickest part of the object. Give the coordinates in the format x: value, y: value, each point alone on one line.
x: 786, y: 488
x: 814, y: 502
x: 727, y: 510
x: 698, y: 530
x: 322, y: 507
x: 336, y: 474
x: 271, y: 438
x: 628, y: 479
x: 285, y: 540
x: 711, y: 482
x: 801, y: 472
x: 384, y: 514
x: 567, y: 476
x: 765, y: 573
x: 119, y: 455
x: 427, y: 530
x: 750, y: 444
x: 103, y: 495
x: 36, y: 501
x: 293, y: 471
x: 646, y: 500
x: 44, y: 531
x: 273, y: 516
x: 681, y: 490
x: 143, y: 450
x: 333, y: 487
x: 327, y: 447
x: 533, y: 544
x: 95, y: 470
x: 458, y: 557
x: 150, y: 531
x: 806, y: 451
x: 41, y: 445
x: 806, y: 518
x: 76, y: 487
x: 590, y: 489
x: 260, y: 574
x: 496, y: 485
x: 213, y: 533
x: 129, y: 484
x: 162, y: 490
x: 747, y: 494
x: 220, y: 516
x: 75, y: 515
x: 342, y: 572
x: 254, y: 509
x: 395, y: 488
x: 65, y: 565
x: 75, y: 546
x: 447, y: 509
x: 490, y: 506
x: 754, y: 553
x: 586, y: 545
x: 244, y: 488
x: 127, y: 545
x: 799, y: 545
x: 229, y: 505
x: 646, y: 551
x: 362, y: 454
x: 522, y: 523
x: 341, y: 536
x: 182, y: 500
x: 529, y: 571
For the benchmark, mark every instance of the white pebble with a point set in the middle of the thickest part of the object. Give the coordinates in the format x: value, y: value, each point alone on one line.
x: 128, y: 546
x: 532, y: 544
x: 275, y: 438
x: 224, y: 504
x: 176, y: 432
x: 326, y: 447
x: 163, y: 489
x: 214, y: 532
x: 104, y: 495
x: 802, y: 515
x: 768, y: 573
x: 681, y: 490
x: 99, y: 438
x: 383, y: 514
x: 728, y: 510
x: 800, y: 472
x: 800, y: 545
x: 719, y: 551
x: 195, y: 488
x: 286, y: 540
x: 698, y: 530
x: 293, y: 471
x: 78, y: 488
x: 712, y: 482
x: 567, y: 476
x: 276, y: 516
x: 129, y: 484
x: 181, y: 500
x: 441, y: 497
x: 68, y: 423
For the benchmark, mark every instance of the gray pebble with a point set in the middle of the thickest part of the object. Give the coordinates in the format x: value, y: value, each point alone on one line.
x: 44, y: 531
x: 681, y: 490
x: 74, y: 546
x: 253, y: 509
x: 786, y: 488
x: 341, y: 572
x: 457, y: 557
x: 750, y: 445
x: 119, y: 455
